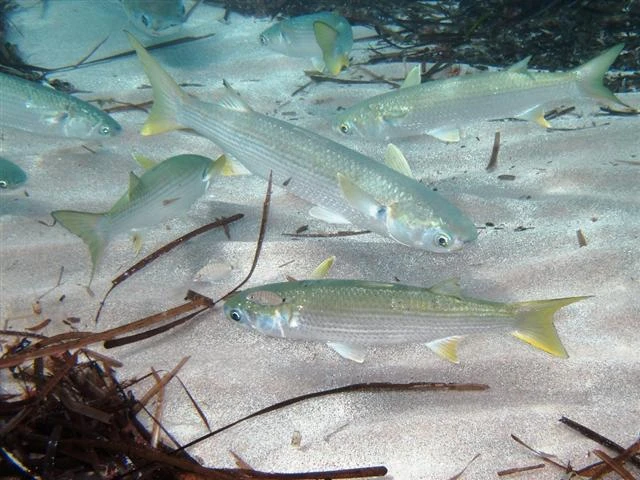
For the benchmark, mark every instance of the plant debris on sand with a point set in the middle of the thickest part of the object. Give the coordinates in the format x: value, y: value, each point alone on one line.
x: 558, y: 33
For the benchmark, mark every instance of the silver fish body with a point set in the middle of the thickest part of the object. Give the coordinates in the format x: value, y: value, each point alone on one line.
x: 11, y: 175
x: 164, y: 192
x: 35, y: 108
x: 441, y: 107
x: 312, y: 167
x: 349, y: 314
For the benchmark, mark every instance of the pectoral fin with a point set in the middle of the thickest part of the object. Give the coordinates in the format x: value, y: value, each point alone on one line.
x: 394, y: 117
x: 350, y: 352
x: 396, y: 160
x: 446, y: 348
x: 535, y: 114
x: 327, y: 36
x: 446, y: 134
x: 361, y: 200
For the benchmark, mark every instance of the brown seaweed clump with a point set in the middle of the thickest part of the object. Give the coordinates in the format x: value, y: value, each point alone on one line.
x: 557, y: 33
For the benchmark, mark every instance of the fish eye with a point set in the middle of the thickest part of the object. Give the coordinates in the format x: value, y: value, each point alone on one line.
x: 105, y: 130
x: 4, y: 184
x: 344, y: 128
x: 235, y: 315
x: 263, y: 39
x: 145, y: 20
x: 442, y: 240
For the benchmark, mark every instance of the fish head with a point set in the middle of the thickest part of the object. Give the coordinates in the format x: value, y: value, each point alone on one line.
x: 362, y: 121
x: 156, y: 17
x: 261, y: 310
x: 416, y: 225
x: 275, y: 39
x: 89, y: 124
x: 11, y: 175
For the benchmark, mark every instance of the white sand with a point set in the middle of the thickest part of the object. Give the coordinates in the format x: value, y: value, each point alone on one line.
x: 565, y: 181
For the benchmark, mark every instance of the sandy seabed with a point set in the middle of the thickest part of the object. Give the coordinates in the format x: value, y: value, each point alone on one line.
x: 583, y: 178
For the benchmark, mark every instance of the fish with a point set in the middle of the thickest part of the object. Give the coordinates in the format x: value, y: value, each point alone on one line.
x: 156, y: 17
x: 11, y: 175
x: 325, y: 35
x: 349, y: 315
x: 351, y: 186
x: 165, y: 191
x: 32, y: 107
x: 440, y: 107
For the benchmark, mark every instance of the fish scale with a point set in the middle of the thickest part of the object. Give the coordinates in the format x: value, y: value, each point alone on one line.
x: 267, y: 144
x: 163, y: 192
x: 368, y: 314
x: 35, y: 108
x: 350, y: 314
x: 317, y: 169
x: 440, y: 107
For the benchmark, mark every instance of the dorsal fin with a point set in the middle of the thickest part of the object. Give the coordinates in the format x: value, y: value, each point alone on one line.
x: 134, y: 186
x: 521, y: 66
x: 322, y: 270
x: 319, y: 272
x: 227, y: 166
x: 232, y: 100
x: 394, y: 158
x: 413, y: 78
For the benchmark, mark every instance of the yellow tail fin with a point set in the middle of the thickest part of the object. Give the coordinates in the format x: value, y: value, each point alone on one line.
x: 167, y: 94
x: 535, y: 324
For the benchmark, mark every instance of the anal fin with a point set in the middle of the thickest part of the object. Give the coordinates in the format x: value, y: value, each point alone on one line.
x: 327, y: 215
x: 351, y: 352
x: 535, y: 114
x: 446, y: 348
x: 445, y: 134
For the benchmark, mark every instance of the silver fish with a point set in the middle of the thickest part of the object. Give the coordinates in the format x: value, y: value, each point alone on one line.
x: 11, y: 175
x: 325, y: 35
x: 440, y: 107
x: 357, y: 188
x: 155, y: 17
x: 35, y: 108
x: 351, y: 314
x: 165, y: 191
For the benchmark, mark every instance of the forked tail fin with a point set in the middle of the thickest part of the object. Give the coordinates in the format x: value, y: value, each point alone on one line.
x: 591, y: 74
x: 535, y: 324
x: 87, y: 227
x: 167, y: 94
